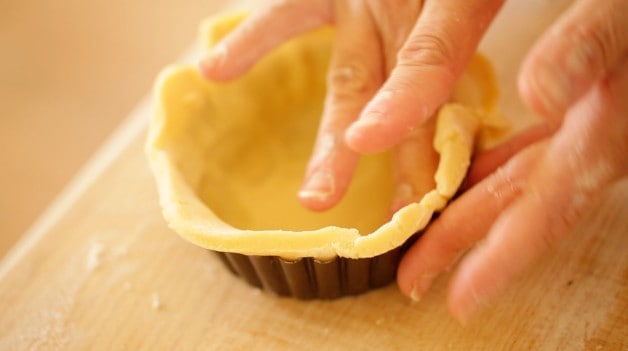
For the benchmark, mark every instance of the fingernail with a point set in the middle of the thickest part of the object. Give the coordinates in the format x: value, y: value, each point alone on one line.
x: 415, y: 296
x: 320, y: 186
x: 421, y: 285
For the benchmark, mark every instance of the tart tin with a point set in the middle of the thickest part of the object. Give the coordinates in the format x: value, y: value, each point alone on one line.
x: 309, y: 278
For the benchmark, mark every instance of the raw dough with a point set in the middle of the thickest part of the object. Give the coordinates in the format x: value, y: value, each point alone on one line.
x: 229, y: 157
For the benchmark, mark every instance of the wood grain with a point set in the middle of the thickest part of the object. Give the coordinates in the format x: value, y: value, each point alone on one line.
x: 106, y: 273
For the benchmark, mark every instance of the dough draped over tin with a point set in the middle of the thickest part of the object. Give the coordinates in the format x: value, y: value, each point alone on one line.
x: 229, y: 158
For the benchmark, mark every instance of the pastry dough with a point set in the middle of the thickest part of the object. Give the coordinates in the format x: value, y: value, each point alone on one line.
x: 229, y: 157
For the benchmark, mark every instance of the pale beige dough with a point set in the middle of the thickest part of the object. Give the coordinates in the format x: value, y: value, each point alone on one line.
x: 229, y: 157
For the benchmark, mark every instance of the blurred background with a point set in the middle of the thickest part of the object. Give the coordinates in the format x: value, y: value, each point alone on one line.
x: 70, y: 71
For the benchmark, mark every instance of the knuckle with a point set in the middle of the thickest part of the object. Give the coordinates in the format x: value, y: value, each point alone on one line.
x: 425, y: 50
x: 349, y: 80
x: 591, y: 51
x: 594, y: 47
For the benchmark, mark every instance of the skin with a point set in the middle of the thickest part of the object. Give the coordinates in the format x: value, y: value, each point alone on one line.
x: 522, y: 197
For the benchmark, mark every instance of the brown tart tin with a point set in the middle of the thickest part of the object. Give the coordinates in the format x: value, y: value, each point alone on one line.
x: 309, y: 278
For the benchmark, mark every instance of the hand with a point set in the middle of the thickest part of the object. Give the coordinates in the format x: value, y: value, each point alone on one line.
x: 393, y: 64
x: 576, y: 76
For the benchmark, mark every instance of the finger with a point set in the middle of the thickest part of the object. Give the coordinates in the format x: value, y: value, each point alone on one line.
x: 435, y: 54
x: 260, y: 33
x: 582, y: 47
x: 415, y: 162
x: 487, y: 162
x: 465, y: 221
x: 353, y: 78
x: 586, y: 155
x: 394, y: 20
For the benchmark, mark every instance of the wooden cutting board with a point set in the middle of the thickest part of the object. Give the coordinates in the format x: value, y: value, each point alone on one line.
x: 101, y: 271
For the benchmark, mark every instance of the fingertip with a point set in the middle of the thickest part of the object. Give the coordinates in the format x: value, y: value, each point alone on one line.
x: 205, y: 67
x: 365, y: 136
x: 464, y: 299
x: 409, y: 269
x: 316, y: 200
x: 405, y: 280
x: 214, y: 65
x: 487, y: 270
x: 414, y: 275
x: 547, y: 88
x: 526, y: 92
x: 319, y: 191
x: 386, y: 120
x: 414, y: 280
x: 537, y: 89
x: 485, y: 273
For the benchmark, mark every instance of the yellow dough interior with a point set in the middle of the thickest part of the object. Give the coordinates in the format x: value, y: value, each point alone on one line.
x: 229, y: 158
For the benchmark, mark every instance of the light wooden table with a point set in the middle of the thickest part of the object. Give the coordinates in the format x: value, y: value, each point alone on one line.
x: 101, y: 271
